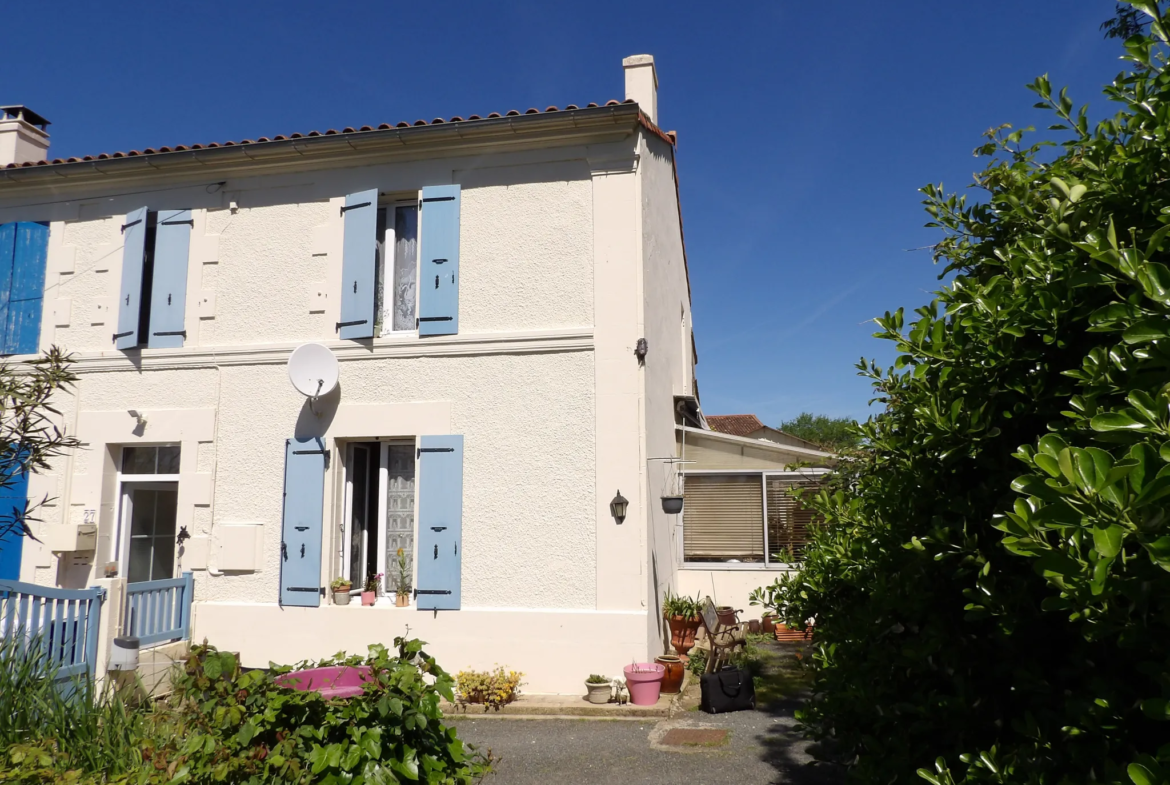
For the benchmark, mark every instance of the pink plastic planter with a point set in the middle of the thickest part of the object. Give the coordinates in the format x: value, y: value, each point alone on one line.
x: 645, y: 683
x: 338, y: 681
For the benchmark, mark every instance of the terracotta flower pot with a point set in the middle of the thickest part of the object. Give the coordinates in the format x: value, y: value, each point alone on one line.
x: 726, y: 615
x: 768, y: 624
x: 682, y: 632
x: 402, y: 600
x: 672, y: 682
x: 787, y: 635
x: 368, y: 597
x: 754, y: 626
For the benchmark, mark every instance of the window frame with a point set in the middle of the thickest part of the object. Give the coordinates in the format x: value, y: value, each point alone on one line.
x: 764, y: 474
x: 122, y: 479
x: 345, y: 563
x: 387, y: 205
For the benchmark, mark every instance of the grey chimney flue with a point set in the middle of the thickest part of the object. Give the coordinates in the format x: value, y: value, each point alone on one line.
x: 24, y: 135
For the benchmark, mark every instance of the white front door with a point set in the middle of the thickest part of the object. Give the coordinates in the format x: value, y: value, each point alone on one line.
x: 148, y: 526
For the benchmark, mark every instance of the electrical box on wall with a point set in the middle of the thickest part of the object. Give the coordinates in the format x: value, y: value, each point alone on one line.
x: 70, y: 537
x: 239, y: 547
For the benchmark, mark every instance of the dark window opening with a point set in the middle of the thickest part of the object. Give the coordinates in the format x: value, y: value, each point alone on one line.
x: 147, y: 278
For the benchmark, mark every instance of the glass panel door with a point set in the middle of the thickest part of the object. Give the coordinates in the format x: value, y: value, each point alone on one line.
x: 149, y: 510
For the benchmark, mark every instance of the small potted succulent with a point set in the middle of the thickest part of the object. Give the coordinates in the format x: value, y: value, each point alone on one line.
x: 340, y: 587
x: 597, y: 689
x: 402, y: 581
x: 370, y: 593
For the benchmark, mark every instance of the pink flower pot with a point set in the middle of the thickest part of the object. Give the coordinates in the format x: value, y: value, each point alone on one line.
x: 369, y: 597
x: 645, y: 683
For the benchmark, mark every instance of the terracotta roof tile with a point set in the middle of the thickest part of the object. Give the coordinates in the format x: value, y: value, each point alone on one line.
x: 330, y: 132
x: 734, y: 424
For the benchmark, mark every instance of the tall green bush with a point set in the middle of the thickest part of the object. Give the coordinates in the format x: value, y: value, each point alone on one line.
x: 990, y: 586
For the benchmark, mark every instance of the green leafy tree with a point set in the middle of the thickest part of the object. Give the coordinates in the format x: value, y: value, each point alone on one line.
x: 29, y: 435
x: 991, y: 586
x: 834, y: 434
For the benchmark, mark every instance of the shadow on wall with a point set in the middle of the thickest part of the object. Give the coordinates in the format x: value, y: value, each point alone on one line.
x: 311, y: 424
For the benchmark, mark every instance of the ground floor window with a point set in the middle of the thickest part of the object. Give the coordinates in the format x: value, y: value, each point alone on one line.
x: 745, y: 518
x: 379, y: 512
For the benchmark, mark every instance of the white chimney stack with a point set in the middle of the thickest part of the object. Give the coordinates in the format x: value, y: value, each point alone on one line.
x: 642, y: 84
x: 23, y: 135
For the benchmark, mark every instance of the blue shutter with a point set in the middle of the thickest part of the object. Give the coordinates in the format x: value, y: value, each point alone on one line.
x: 438, y: 285
x: 440, y: 522
x: 357, y: 265
x: 7, y: 258
x: 168, y: 293
x: 304, y: 504
x: 130, y: 297
x: 12, y: 501
x: 22, y: 333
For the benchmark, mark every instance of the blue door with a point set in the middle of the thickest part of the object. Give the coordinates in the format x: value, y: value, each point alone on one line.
x: 304, y: 503
x: 440, y: 522
x: 12, y: 499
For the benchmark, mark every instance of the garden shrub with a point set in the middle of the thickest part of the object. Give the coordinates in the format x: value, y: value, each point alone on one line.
x: 243, y: 727
x: 990, y: 585
x: 494, y: 689
x: 224, y: 724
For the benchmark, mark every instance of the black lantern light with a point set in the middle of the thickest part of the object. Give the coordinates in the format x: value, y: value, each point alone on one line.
x: 617, y: 507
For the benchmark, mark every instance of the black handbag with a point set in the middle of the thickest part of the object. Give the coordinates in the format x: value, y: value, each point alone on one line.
x: 730, y: 689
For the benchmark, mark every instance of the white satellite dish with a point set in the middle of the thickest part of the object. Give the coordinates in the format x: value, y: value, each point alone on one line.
x: 312, y: 369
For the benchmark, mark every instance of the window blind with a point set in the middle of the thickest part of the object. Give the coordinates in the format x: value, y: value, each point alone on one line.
x: 788, y: 519
x: 723, y: 518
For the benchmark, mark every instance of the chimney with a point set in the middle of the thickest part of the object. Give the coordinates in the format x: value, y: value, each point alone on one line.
x: 642, y: 84
x: 23, y: 135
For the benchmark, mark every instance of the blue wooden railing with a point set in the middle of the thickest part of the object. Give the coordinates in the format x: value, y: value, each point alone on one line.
x: 159, y: 611
x: 61, y: 623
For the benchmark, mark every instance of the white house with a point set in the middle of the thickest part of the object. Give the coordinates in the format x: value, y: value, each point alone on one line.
x: 507, y: 297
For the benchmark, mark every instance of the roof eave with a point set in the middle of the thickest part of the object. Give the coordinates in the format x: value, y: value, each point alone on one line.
x: 561, y: 127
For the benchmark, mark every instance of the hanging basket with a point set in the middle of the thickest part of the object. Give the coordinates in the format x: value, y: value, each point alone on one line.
x: 672, y: 505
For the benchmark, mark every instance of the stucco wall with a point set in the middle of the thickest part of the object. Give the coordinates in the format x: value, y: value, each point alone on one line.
x: 269, y: 268
x: 666, y: 314
x: 728, y: 587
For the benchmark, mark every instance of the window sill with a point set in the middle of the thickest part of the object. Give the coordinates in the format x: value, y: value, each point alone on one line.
x: 716, y: 566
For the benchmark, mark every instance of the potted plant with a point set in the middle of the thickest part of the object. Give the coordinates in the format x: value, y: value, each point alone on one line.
x: 644, y: 681
x: 682, y: 616
x: 672, y: 681
x: 769, y: 597
x: 402, y: 581
x: 672, y: 505
x: 370, y: 593
x: 597, y: 689
x: 340, y: 587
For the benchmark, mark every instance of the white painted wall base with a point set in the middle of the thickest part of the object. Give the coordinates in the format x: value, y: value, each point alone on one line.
x: 727, y: 587
x: 555, y: 649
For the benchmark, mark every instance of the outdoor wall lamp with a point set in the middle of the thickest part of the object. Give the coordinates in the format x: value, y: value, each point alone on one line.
x: 617, y: 507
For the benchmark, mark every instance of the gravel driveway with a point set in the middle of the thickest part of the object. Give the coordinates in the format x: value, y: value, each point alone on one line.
x: 761, y: 747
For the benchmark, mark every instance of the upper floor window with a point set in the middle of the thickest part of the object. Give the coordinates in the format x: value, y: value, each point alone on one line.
x: 396, y: 290
x: 153, y: 295
x: 23, y: 252
x: 400, y: 264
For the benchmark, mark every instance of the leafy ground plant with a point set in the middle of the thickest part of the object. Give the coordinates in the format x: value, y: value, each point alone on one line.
x: 224, y: 724
x: 494, y: 689
x: 241, y: 726
x: 991, y: 585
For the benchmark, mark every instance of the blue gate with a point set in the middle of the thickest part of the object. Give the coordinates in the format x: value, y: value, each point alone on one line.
x: 159, y: 611
x: 61, y: 623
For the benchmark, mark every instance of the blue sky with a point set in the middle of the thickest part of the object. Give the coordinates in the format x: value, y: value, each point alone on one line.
x: 805, y: 129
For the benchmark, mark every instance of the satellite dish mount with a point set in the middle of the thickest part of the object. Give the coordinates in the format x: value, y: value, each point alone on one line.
x: 313, y: 371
